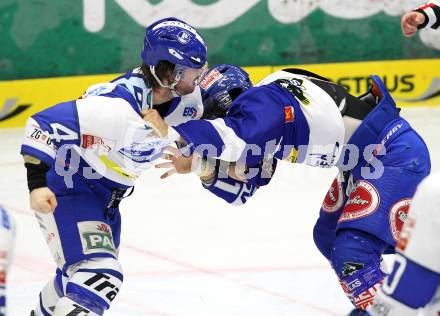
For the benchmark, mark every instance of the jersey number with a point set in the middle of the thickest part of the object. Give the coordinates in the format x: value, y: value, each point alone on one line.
x: 67, y: 133
x: 393, y: 280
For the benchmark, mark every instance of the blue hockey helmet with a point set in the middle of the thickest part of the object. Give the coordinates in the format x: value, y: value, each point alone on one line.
x: 175, y: 41
x: 220, y: 86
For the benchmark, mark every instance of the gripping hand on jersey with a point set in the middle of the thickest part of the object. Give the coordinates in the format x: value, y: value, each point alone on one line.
x: 43, y: 200
x: 410, y: 22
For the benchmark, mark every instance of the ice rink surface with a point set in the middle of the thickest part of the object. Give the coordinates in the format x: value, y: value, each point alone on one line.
x: 186, y: 252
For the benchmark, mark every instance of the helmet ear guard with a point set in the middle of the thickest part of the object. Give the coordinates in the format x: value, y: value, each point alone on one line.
x: 220, y: 86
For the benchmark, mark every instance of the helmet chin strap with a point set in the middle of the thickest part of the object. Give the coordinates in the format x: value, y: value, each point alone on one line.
x: 172, y: 86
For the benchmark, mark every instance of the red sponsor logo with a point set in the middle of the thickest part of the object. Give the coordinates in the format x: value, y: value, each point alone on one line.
x: 365, y: 299
x: 103, y: 228
x: 397, y: 217
x: 210, y: 78
x: 334, y: 197
x: 2, y: 277
x: 50, y: 237
x: 89, y: 141
x: 363, y: 201
x: 289, y: 114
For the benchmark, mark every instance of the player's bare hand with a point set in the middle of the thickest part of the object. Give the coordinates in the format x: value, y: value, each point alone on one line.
x: 43, y: 200
x: 410, y: 22
x: 156, y: 122
x: 176, y: 164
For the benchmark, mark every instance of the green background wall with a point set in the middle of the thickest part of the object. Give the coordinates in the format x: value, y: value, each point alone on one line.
x: 48, y: 38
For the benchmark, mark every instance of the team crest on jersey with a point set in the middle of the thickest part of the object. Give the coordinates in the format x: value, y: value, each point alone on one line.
x: 295, y: 86
x: 334, y: 199
x: 143, y: 152
x: 210, y: 78
x: 96, y: 237
x: 397, y: 217
x: 363, y: 201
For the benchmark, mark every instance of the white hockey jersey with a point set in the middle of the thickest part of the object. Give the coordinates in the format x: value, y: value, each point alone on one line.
x: 103, y: 132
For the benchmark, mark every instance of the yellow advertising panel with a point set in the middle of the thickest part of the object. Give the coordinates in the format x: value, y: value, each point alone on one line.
x: 19, y: 99
x: 411, y: 82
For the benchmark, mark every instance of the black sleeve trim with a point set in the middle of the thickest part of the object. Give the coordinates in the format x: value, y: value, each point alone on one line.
x: 36, y: 175
x: 424, y: 24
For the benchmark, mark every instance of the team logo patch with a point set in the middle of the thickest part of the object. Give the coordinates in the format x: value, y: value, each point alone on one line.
x: 334, y: 197
x: 184, y: 37
x: 397, y: 217
x: 363, y: 201
x: 96, y: 237
x: 210, y: 78
x: 289, y: 115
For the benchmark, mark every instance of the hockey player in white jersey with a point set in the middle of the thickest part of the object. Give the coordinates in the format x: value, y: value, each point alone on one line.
x: 83, y: 156
x: 414, y: 282
x: 7, y: 237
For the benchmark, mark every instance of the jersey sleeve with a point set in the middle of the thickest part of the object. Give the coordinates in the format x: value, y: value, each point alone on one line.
x: 431, y: 11
x: 106, y: 116
x: 48, y: 130
x: 253, y: 119
x: 236, y: 192
x: 232, y: 191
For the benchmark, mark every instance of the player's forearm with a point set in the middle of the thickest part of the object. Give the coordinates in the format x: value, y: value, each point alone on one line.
x: 431, y: 12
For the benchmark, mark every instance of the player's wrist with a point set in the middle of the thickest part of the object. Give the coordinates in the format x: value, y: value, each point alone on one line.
x: 431, y: 13
x: 205, y: 169
x: 36, y: 175
x: 173, y: 135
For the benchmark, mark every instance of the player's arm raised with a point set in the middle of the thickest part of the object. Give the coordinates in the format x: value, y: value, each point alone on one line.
x: 427, y: 15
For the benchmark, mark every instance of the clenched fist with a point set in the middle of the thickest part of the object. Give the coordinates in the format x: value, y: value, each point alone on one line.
x: 410, y: 22
x: 43, y: 200
x: 156, y: 122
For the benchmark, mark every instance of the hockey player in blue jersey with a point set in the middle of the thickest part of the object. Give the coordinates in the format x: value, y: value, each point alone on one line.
x: 366, y: 205
x: 83, y: 156
x: 414, y: 281
x: 7, y: 238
